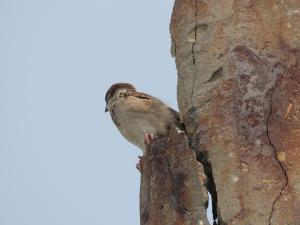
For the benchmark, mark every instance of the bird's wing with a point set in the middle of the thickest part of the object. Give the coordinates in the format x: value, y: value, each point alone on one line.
x: 147, y: 101
x: 138, y: 95
x: 139, y: 102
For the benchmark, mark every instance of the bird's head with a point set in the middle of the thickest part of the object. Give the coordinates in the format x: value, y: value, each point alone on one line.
x: 114, y: 89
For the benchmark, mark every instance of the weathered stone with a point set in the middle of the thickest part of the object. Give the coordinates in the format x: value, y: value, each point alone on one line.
x: 239, y: 97
x: 172, y: 184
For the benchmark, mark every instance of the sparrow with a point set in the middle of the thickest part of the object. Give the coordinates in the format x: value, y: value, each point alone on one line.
x: 139, y: 117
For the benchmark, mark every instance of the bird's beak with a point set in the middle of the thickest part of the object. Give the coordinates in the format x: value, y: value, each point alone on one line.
x: 106, y: 109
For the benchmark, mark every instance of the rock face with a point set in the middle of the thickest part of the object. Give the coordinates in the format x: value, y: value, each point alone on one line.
x: 238, y: 68
x: 172, y: 184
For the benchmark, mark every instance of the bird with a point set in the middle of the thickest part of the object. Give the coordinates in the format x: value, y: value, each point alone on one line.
x: 140, y: 117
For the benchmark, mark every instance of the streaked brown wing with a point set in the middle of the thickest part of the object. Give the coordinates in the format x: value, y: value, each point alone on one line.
x: 138, y: 95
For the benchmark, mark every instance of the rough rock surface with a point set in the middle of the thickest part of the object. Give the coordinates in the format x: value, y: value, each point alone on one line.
x: 172, y: 184
x: 238, y: 65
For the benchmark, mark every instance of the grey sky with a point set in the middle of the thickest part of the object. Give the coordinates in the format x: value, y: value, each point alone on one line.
x: 62, y: 161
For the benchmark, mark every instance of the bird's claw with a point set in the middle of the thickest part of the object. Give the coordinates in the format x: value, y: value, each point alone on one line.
x: 149, y: 138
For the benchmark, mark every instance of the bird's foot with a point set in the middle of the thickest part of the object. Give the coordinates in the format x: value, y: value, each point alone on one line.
x: 139, y: 165
x: 149, y: 138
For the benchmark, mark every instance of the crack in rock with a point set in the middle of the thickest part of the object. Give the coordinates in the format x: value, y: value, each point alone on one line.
x: 280, y: 164
x: 193, y: 53
x: 202, y: 158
